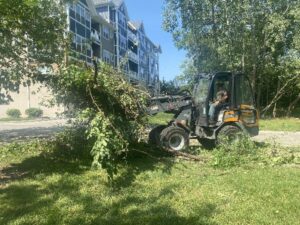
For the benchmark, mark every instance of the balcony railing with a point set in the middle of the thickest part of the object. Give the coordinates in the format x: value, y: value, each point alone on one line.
x: 132, y: 36
x: 133, y: 56
x: 95, y: 36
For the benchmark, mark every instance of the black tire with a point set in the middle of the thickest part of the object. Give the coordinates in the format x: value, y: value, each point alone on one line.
x: 207, y: 143
x: 154, y: 135
x: 174, y: 138
x: 229, y: 134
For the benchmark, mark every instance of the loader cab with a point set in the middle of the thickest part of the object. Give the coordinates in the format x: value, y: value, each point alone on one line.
x: 205, y: 93
x: 238, y: 109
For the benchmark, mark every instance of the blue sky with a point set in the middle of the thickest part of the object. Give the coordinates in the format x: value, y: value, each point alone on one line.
x: 150, y: 12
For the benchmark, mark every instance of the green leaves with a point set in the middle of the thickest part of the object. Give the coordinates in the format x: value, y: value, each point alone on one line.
x: 31, y: 36
x: 107, y: 106
x: 254, y: 37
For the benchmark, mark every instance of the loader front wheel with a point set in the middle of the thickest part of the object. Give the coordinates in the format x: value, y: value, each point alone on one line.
x: 154, y: 135
x: 174, y: 138
x: 229, y: 134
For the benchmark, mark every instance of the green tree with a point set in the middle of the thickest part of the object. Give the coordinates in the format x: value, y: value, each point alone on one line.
x: 188, y: 75
x: 169, y: 87
x: 255, y: 37
x: 32, y: 36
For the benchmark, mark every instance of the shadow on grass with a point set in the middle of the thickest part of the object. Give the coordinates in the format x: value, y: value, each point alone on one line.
x: 45, y: 163
x: 62, y: 203
x: 141, y: 158
x: 71, y: 197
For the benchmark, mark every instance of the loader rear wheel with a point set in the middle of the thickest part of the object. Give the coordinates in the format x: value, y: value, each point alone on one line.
x: 154, y: 135
x: 174, y: 138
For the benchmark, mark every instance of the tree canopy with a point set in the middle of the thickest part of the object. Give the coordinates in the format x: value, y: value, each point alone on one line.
x: 32, y: 36
x: 259, y: 38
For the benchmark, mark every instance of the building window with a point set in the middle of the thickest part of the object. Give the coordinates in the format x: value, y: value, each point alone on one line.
x: 106, y: 33
x: 112, y: 59
x: 80, y: 14
x: 80, y: 29
x: 108, y: 57
x: 113, y: 15
x: 123, y: 43
x: 80, y: 45
x: 72, y: 25
x: 80, y: 26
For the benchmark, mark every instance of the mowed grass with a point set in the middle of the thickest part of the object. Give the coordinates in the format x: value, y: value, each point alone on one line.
x: 49, y: 187
x: 160, y: 118
x: 8, y: 119
x: 280, y: 124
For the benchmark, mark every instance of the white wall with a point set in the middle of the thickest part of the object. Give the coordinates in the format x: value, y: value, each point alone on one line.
x: 37, y: 97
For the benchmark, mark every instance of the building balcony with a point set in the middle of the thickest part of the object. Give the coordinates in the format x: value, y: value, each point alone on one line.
x: 132, y: 56
x: 132, y: 36
x: 95, y: 36
x: 133, y: 75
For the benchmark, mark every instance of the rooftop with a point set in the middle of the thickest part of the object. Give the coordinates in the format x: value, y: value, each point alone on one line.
x: 115, y: 2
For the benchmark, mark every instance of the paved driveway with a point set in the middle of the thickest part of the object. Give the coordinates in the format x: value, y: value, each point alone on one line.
x: 284, y: 138
x: 11, y: 131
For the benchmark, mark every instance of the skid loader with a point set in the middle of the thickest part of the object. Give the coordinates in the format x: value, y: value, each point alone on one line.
x: 191, y: 120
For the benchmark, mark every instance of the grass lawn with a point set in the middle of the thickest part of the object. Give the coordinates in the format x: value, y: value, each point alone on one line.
x: 160, y: 118
x: 42, y: 186
x: 7, y: 119
x: 280, y: 124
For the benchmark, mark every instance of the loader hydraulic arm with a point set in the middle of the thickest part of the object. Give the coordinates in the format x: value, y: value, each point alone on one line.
x: 168, y: 103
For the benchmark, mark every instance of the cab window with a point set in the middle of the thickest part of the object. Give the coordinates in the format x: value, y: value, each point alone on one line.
x: 243, y: 91
x: 201, y: 91
x: 221, y: 83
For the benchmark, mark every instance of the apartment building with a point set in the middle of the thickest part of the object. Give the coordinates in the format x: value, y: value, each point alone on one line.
x: 135, y: 52
x: 148, y: 54
x: 93, y: 36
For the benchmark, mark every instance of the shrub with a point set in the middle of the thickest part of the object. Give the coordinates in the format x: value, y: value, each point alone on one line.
x: 13, y: 113
x: 72, y: 144
x: 230, y: 154
x: 34, y: 112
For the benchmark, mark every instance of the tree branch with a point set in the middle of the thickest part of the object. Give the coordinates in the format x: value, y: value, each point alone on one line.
x: 278, y: 95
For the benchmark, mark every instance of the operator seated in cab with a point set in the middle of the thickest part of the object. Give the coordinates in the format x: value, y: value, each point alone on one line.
x: 216, y: 106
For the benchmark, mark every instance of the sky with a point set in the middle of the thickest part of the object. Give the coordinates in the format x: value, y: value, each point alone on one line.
x: 150, y: 13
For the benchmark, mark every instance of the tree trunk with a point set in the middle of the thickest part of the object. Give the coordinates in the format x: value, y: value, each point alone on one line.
x: 292, y: 105
x: 279, y: 94
x: 274, y: 110
x: 243, y: 56
x: 254, y: 56
x: 214, y: 28
x: 258, y: 90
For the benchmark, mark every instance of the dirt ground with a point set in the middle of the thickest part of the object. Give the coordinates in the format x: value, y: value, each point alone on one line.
x: 11, y: 131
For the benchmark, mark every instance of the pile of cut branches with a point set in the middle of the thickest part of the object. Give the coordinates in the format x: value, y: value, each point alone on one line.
x: 108, y: 106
